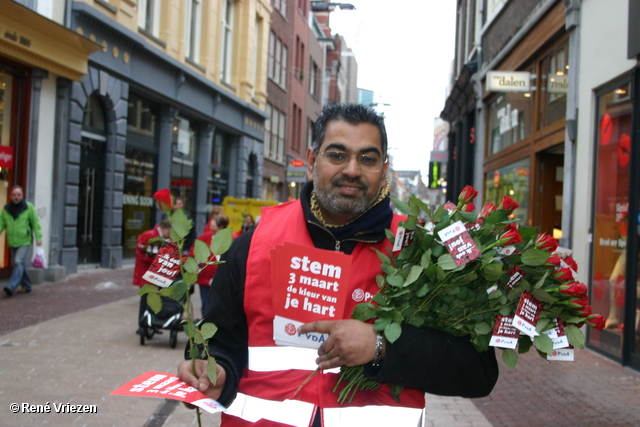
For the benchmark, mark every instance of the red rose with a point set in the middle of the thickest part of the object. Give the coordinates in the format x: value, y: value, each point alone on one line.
x: 563, y: 274
x: 597, y: 322
x: 469, y: 207
x: 574, y: 289
x: 584, y: 311
x: 508, y: 204
x: 571, y: 263
x: 554, y: 260
x: 511, y: 235
x: 163, y: 199
x: 546, y: 243
x: 467, y: 194
x: 487, y: 209
x: 580, y: 303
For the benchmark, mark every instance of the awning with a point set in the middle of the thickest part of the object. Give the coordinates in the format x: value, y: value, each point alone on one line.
x: 462, y: 96
x: 31, y: 39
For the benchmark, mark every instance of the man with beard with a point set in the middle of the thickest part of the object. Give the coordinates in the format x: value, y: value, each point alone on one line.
x: 345, y: 207
x: 20, y: 219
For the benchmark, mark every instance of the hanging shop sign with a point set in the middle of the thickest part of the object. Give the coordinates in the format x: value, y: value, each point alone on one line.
x: 296, y: 171
x: 6, y: 156
x: 508, y: 81
x: 557, y: 84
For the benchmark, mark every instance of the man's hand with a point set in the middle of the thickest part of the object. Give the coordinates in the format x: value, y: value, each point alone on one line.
x: 351, y: 342
x: 200, y: 380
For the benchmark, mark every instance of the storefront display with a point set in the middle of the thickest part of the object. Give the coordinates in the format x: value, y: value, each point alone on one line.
x: 610, y: 222
x: 513, y: 181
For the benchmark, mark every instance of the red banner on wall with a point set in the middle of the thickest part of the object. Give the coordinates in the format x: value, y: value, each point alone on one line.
x: 6, y: 157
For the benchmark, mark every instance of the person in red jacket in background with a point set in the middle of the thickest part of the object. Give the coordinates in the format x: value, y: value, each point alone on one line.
x: 214, y: 212
x: 216, y: 223
x: 146, y: 251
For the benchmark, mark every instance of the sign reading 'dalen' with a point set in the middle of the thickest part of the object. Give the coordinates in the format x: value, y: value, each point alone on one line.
x: 508, y: 81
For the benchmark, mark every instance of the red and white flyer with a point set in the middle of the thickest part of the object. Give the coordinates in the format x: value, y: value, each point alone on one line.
x: 562, y: 354
x: 515, y: 276
x: 308, y: 284
x: 168, y: 386
x: 527, y: 314
x: 505, y: 335
x: 402, y: 239
x: 558, y: 335
x: 459, y: 243
x: 165, y: 267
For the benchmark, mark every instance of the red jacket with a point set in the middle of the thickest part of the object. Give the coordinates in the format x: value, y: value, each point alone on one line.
x: 271, y: 381
x: 145, y: 253
x: 205, y: 276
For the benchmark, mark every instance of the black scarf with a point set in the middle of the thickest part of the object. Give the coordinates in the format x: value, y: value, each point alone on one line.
x: 15, y: 209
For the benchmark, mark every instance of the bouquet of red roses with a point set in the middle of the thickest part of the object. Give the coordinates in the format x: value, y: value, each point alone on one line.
x: 478, y: 275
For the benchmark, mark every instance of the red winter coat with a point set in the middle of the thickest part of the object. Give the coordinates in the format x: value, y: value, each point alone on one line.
x: 145, y: 253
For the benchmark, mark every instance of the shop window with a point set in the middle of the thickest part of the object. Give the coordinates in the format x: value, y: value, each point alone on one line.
x: 192, y: 30
x: 140, y: 162
x: 513, y: 181
x: 509, y: 120
x: 554, y: 70
x: 218, y: 182
x: 226, y: 39
x: 183, y: 162
x: 149, y: 16
x: 141, y: 122
x: 137, y: 200
x: 611, y: 205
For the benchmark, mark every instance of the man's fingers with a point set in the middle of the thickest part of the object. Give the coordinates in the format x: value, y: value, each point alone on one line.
x: 322, y: 326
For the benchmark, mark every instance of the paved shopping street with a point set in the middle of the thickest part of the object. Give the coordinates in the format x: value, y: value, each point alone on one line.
x: 74, y: 342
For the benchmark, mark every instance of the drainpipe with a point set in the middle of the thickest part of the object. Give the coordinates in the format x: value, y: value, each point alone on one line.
x: 572, y: 25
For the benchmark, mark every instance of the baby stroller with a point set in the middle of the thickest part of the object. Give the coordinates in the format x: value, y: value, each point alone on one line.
x: 169, y: 318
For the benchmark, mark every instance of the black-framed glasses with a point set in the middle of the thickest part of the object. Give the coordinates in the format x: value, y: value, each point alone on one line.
x: 370, y: 162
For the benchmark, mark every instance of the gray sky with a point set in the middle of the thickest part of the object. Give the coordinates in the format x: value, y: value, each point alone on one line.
x: 404, y: 50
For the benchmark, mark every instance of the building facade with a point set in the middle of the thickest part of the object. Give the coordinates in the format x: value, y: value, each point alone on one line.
x: 544, y: 89
x: 35, y: 68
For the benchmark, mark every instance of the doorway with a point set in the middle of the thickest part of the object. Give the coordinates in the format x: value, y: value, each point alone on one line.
x: 548, y: 211
x: 91, y: 199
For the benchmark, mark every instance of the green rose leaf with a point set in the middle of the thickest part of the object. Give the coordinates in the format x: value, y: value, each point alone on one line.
x: 154, y: 301
x: 201, y: 251
x: 483, y: 328
x: 208, y: 330
x: 190, y: 278
x: 405, y: 208
x: 221, y: 241
x: 193, y: 353
x: 542, y: 295
x: 382, y: 257
x: 166, y: 292
x: 446, y: 262
x: 179, y: 289
x: 392, y: 332
x: 414, y: 274
x: 212, y: 372
x: 147, y: 288
x: 574, y: 335
x: 180, y: 224
x: 534, y: 257
x: 509, y: 357
x: 543, y: 343
x: 190, y: 265
x: 396, y: 281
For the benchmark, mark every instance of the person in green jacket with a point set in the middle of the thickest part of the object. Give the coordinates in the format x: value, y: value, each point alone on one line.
x: 20, y: 219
